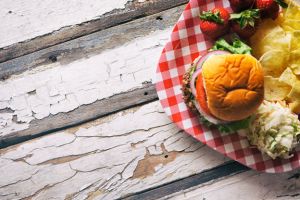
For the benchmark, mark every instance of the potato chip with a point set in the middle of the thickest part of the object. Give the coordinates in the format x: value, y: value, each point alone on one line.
x: 294, y: 94
x: 295, y: 107
x: 291, y: 25
x: 270, y: 38
x: 292, y: 11
x: 288, y: 77
x: 275, y: 90
x: 295, y: 40
x: 274, y: 62
x: 256, y: 41
x: 295, y: 61
x: 278, y: 39
x: 295, y: 68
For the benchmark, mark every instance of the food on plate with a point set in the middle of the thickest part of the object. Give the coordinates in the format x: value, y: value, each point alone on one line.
x: 268, y: 37
x: 224, y: 88
x: 270, y: 8
x: 275, y: 130
x: 244, y: 24
x: 214, y: 23
x: 237, y: 46
x: 276, y: 90
x: 227, y: 86
x: 274, y: 67
x: 295, y: 61
x: 291, y: 15
x: 288, y: 77
x: 239, y: 5
x: 276, y: 44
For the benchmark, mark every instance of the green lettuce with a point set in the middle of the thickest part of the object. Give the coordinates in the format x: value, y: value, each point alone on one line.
x: 237, y: 47
x: 230, y: 127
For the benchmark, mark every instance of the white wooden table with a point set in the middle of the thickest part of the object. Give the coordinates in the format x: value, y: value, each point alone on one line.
x: 80, y: 118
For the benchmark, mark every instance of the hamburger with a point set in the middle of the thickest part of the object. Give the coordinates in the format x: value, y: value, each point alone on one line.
x: 224, y: 89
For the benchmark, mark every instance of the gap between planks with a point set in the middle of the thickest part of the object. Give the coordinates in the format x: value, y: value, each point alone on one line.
x: 113, y: 156
x: 135, y: 72
x: 82, y: 115
x: 91, y: 44
x: 133, y: 10
x: 127, y: 153
x: 248, y: 185
x: 228, y: 169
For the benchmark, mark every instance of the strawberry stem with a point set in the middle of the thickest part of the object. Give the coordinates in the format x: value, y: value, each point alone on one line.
x: 213, y: 17
x: 246, y: 17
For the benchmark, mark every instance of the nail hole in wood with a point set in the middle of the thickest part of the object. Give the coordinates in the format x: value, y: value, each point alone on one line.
x: 159, y: 18
x: 53, y: 58
x: 145, y: 93
x: 33, y: 92
x: 15, y: 118
x: 166, y: 156
x: 9, y: 12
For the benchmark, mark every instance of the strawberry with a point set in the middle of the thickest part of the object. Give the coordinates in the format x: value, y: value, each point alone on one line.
x: 270, y: 8
x: 215, y: 23
x: 244, y: 23
x: 239, y: 5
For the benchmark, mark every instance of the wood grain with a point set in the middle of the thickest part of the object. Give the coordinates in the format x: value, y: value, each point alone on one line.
x: 247, y: 186
x: 100, y: 69
x: 92, y: 44
x: 63, y: 21
x: 81, y: 115
x: 130, y: 151
x: 179, y: 186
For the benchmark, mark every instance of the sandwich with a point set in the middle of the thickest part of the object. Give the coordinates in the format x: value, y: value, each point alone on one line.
x: 224, y: 89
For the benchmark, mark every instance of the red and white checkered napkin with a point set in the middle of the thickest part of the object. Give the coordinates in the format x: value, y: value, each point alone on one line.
x: 185, y: 44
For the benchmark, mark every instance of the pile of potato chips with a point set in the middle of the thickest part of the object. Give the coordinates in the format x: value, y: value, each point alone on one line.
x: 276, y: 44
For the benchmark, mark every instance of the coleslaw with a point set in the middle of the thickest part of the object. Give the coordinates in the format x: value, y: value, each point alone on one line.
x: 275, y: 130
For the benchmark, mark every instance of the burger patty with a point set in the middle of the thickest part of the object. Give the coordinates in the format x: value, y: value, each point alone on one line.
x: 188, y: 97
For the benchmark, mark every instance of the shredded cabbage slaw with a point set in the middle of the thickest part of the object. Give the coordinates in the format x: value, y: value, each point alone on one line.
x: 275, y: 130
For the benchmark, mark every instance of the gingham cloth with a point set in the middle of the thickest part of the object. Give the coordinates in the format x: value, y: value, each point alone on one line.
x: 186, y: 43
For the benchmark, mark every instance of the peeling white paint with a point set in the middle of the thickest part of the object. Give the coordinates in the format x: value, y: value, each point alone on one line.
x: 57, y: 88
x: 102, y: 156
x: 23, y: 20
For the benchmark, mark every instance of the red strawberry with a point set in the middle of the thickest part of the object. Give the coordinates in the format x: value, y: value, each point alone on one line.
x: 239, y: 5
x: 215, y: 23
x: 270, y: 8
x: 244, y: 23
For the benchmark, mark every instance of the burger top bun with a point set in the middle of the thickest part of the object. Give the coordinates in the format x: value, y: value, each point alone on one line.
x: 234, y: 85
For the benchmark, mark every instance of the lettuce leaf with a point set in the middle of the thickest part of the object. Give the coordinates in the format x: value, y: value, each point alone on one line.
x: 228, y: 128
x: 237, y: 47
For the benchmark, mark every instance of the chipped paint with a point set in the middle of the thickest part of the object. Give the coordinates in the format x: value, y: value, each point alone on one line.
x: 64, y: 87
x: 152, y: 163
x: 89, y: 159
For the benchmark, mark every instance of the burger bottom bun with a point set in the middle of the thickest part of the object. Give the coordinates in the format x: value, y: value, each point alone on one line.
x: 234, y: 86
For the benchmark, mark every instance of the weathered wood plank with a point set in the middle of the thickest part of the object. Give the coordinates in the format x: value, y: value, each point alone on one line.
x: 30, y: 26
x: 68, y: 84
x: 82, y: 114
x: 93, y: 44
x: 178, y: 186
x: 247, y: 186
x: 111, y: 157
x: 23, y: 20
